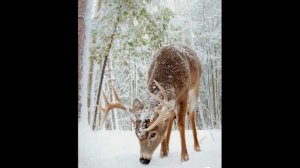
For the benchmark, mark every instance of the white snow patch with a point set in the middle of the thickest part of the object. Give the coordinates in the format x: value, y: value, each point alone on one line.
x: 121, y: 149
x: 180, y: 48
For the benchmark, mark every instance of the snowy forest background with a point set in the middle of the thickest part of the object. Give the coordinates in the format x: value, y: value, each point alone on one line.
x: 128, y: 33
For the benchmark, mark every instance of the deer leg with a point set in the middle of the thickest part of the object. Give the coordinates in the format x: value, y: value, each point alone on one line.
x: 164, y: 150
x: 171, y: 120
x: 192, y: 120
x: 181, y: 127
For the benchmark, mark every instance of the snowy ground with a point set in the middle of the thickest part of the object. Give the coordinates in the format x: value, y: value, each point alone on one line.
x: 110, y: 149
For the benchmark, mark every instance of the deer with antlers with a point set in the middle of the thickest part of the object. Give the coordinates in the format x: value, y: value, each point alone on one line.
x: 173, y: 87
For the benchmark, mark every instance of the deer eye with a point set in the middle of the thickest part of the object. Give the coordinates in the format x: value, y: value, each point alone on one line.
x: 153, y: 135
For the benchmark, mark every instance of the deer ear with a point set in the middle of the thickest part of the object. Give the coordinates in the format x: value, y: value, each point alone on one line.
x: 132, y: 116
x: 137, y: 105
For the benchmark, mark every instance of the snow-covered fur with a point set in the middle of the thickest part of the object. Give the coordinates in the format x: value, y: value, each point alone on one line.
x: 177, y: 69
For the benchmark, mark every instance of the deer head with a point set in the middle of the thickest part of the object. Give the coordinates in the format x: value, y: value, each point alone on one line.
x: 150, y: 122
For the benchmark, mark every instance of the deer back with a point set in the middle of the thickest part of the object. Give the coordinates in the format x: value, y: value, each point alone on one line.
x: 177, y: 68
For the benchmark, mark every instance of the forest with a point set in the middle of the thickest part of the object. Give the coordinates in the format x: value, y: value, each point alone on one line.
x: 117, y: 40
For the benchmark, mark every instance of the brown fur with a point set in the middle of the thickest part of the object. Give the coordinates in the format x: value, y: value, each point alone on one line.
x: 177, y: 69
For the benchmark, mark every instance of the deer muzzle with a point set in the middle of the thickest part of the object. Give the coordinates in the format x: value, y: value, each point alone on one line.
x: 144, y: 161
x: 145, y: 158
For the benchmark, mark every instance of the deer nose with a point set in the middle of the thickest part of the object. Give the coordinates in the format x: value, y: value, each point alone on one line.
x: 144, y: 161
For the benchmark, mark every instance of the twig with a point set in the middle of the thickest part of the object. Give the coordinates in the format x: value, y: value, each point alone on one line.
x: 203, y: 105
x: 202, y: 139
x: 212, y: 136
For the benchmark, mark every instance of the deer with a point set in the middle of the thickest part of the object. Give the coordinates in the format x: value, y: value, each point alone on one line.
x: 173, y: 80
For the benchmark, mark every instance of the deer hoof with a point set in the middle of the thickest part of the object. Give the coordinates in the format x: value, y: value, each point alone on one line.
x: 184, y: 157
x: 197, y: 148
x: 163, y: 154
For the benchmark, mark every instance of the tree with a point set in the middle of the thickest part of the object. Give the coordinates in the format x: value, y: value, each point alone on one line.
x: 130, y: 29
x: 81, y: 32
x: 126, y: 34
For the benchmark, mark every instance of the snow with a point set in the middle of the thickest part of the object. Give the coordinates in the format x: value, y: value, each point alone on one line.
x: 180, y: 47
x: 121, y: 149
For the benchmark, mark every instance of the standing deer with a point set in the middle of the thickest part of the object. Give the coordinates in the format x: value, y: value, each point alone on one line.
x: 173, y: 87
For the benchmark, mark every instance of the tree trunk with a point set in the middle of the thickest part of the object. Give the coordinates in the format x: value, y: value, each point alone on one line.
x: 99, y: 91
x: 81, y: 36
x: 110, y: 93
x: 113, y: 84
x: 213, y: 91
x: 106, y: 54
x: 98, y: 5
x: 90, y: 82
x: 190, y: 30
x: 216, y: 90
x: 209, y: 90
x: 202, y: 118
x: 92, y: 72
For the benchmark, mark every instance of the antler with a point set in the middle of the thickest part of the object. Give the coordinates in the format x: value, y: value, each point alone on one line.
x: 162, y: 102
x: 109, y: 105
x: 167, y: 106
